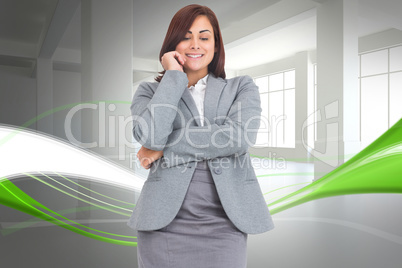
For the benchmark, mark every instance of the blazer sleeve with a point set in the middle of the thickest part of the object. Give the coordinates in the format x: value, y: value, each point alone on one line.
x: 154, y: 112
x: 237, y: 133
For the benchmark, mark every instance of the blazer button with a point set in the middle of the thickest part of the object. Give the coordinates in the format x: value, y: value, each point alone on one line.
x: 218, y: 171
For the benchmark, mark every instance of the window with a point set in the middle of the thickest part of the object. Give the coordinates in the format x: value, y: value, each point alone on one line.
x: 380, y: 92
x: 312, y: 111
x: 277, y: 92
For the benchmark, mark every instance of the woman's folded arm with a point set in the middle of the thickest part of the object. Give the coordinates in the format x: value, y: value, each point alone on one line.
x: 234, y: 136
x: 154, y: 112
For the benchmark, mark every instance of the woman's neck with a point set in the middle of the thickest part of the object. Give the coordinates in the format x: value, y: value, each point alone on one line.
x: 193, y: 78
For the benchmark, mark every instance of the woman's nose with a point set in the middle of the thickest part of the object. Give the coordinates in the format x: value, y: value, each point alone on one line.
x: 194, y: 44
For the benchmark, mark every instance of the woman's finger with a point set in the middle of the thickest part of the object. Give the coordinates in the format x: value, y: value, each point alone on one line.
x: 179, y: 57
x: 148, y: 156
x: 172, y: 61
x: 145, y: 163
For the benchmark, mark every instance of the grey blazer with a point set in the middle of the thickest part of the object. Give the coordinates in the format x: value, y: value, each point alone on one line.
x: 166, y: 118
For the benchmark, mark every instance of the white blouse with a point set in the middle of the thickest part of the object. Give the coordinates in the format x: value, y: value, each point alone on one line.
x: 198, y: 93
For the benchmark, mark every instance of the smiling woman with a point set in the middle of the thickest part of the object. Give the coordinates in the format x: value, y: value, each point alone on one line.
x: 198, y: 49
x: 198, y: 204
x: 182, y: 33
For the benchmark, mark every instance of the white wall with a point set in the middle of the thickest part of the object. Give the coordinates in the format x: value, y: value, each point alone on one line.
x: 17, y: 98
x: 66, y: 91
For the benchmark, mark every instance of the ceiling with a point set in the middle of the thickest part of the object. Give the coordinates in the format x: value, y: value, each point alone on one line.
x: 249, y: 38
x: 25, y: 21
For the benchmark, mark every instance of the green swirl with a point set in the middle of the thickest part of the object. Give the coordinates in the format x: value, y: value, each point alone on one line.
x: 376, y: 169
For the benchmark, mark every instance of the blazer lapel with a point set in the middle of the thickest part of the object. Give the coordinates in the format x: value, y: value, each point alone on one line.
x: 212, y: 95
x: 189, y: 101
x: 215, y: 85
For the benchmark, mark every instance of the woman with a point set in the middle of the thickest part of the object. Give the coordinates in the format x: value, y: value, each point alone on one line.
x: 201, y: 197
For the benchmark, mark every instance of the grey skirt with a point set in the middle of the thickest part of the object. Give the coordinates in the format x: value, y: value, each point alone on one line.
x: 201, y: 235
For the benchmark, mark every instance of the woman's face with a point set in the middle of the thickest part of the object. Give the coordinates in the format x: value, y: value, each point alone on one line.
x: 198, y: 47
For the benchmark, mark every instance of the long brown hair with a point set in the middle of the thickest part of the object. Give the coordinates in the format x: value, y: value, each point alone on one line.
x: 178, y: 28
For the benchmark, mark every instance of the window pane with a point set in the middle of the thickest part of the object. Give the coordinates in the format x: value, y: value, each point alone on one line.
x: 315, y: 114
x: 395, y: 98
x: 263, y: 132
x: 312, y: 129
x: 276, y: 122
x: 374, y: 63
x: 396, y: 59
x: 262, y: 84
x: 276, y: 82
x: 289, y: 118
x: 311, y: 117
x: 276, y: 118
x: 374, y: 108
x: 315, y: 74
x: 290, y: 79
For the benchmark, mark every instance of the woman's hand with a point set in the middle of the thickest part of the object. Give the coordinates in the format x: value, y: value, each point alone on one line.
x: 148, y: 156
x: 173, y: 61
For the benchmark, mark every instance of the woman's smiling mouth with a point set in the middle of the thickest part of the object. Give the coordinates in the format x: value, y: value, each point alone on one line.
x: 194, y: 56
